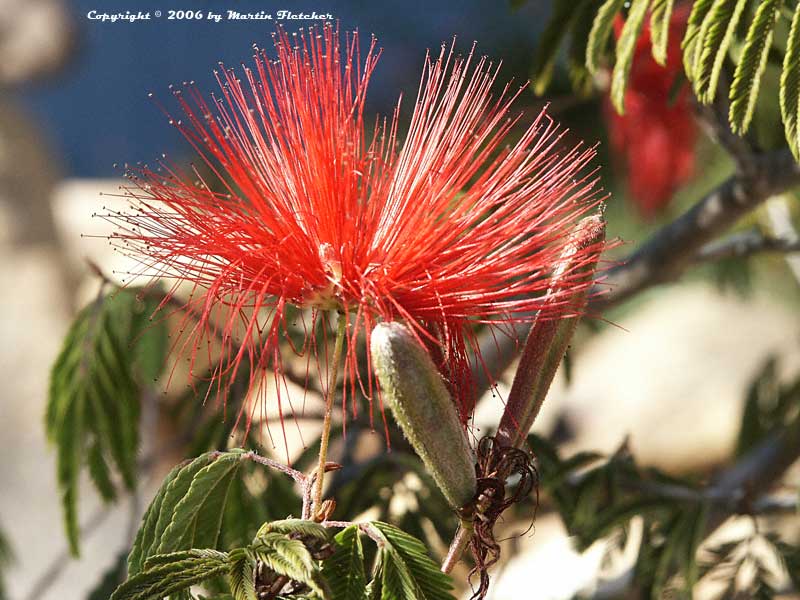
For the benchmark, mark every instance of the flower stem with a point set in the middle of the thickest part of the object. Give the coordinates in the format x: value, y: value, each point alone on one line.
x: 458, y: 545
x: 330, y: 392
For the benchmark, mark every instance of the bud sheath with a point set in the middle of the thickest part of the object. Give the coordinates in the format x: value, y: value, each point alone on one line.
x: 422, y: 406
x: 549, y: 339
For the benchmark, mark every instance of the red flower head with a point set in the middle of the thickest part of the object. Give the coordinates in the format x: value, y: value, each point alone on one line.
x: 448, y: 229
x: 657, y: 133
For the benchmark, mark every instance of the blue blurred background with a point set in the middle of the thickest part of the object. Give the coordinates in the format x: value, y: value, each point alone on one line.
x: 96, y: 111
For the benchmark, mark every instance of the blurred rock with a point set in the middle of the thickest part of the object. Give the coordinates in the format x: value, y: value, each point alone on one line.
x: 28, y: 175
x: 36, y: 39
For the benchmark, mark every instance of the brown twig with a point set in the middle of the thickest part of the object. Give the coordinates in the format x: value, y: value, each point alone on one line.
x: 745, y: 244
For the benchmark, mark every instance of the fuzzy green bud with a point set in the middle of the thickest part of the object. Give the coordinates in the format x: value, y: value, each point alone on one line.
x: 414, y: 390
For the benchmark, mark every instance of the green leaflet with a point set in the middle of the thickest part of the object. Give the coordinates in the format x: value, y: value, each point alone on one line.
x: 790, y: 86
x: 241, y: 577
x: 146, y: 535
x: 564, y: 13
x: 92, y: 413
x: 691, y: 43
x: 291, y: 558
x: 601, y: 30
x: 298, y: 527
x: 172, y: 573
x: 747, y: 77
x: 162, y: 510
x: 660, y: 16
x: 576, y: 55
x: 197, y: 518
x: 344, y: 571
x: 715, y: 37
x: 626, y: 44
x: 405, y: 569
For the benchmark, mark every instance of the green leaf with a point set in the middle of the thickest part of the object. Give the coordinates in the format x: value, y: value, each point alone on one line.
x: 150, y: 349
x: 716, y: 34
x: 290, y: 558
x: 564, y: 13
x: 576, y: 55
x: 344, y: 571
x: 197, y: 517
x: 407, y: 572
x: 660, y: 17
x: 299, y: 527
x: 68, y: 464
x: 241, y: 577
x: 747, y: 77
x: 691, y: 45
x: 146, y: 536
x: 92, y: 414
x: 620, y: 514
x: 626, y: 45
x: 172, y: 573
x: 98, y: 470
x: 601, y: 29
x: 790, y: 86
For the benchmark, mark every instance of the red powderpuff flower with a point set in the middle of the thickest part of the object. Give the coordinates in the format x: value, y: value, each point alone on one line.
x: 656, y: 135
x: 448, y: 229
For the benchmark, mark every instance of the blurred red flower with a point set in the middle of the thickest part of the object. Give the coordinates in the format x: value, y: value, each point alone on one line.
x: 657, y: 134
x: 310, y: 208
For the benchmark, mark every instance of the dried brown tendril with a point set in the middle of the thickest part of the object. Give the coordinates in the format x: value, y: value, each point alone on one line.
x: 495, y: 464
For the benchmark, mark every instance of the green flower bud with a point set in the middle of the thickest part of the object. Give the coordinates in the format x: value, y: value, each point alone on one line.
x: 414, y: 390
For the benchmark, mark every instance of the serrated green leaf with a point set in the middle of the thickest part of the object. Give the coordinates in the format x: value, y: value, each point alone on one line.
x: 92, y: 413
x: 175, y: 492
x: 601, y: 30
x: 747, y: 77
x: 172, y: 574
x: 660, y: 17
x: 290, y: 558
x: 715, y: 37
x: 620, y: 514
x: 626, y: 45
x: 344, y: 570
x: 691, y: 45
x: 790, y: 86
x: 544, y: 59
x: 241, y: 578
x: 576, y: 55
x: 197, y: 517
x: 172, y: 557
x: 150, y: 350
x: 301, y: 527
x: 68, y: 465
x: 146, y: 535
x: 98, y: 470
x: 407, y: 572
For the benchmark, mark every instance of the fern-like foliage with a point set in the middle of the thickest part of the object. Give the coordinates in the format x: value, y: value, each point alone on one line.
x: 179, y: 545
x: 111, y: 350
x: 722, y: 36
x: 746, y: 79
